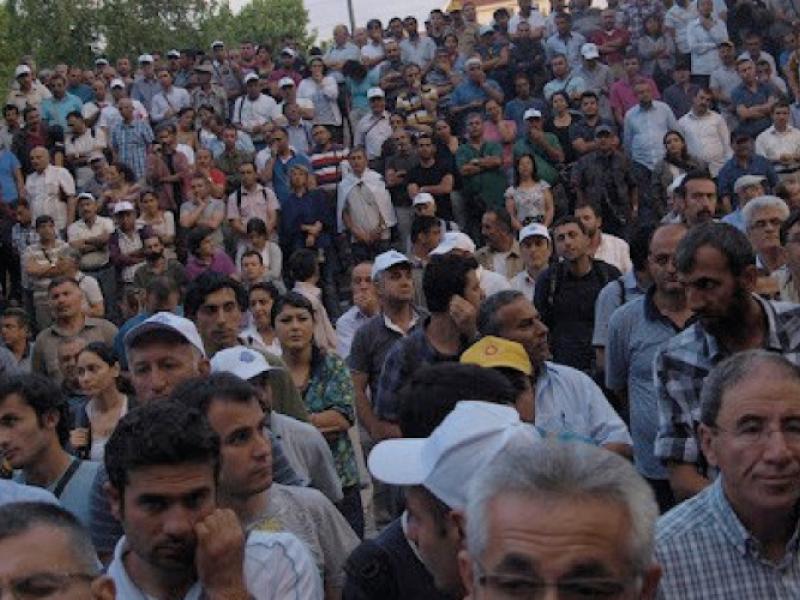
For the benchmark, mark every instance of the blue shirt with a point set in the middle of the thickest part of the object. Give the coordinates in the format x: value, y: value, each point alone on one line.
x: 731, y: 171
x: 467, y: 92
x: 644, y: 132
x: 82, y: 91
x: 569, y: 46
x: 54, y: 111
x: 305, y: 210
x: 76, y: 493
x: 516, y: 108
x: 707, y: 553
x: 280, y: 174
x: 743, y: 96
x: 735, y: 218
x: 9, y: 163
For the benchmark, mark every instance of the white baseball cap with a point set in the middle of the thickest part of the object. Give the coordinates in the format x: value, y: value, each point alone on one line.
x: 117, y: 83
x: 250, y: 77
x: 217, y: 44
x: 286, y: 81
x: 241, y: 361
x: 423, y: 198
x: 532, y: 113
x: 386, y: 261
x: 289, y: 51
x: 590, y: 51
x: 472, y: 61
x: 746, y: 180
x: 173, y: 54
x: 123, y: 206
x: 166, y: 321
x: 101, y: 61
x: 86, y: 196
x: 534, y: 229
x: 22, y: 70
x: 454, y: 240
x: 375, y: 92
x: 463, y: 444
x: 146, y: 58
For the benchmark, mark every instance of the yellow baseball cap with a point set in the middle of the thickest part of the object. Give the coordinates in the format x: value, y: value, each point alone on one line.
x: 493, y: 351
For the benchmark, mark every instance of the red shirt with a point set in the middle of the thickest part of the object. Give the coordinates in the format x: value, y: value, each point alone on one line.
x: 602, y: 37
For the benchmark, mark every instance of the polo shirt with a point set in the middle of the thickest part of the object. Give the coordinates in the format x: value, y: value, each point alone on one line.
x: 644, y: 133
x: 250, y: 204
x: 744, y: 96
x: 636, y: 333
x: 488, y: 185
x: 55, y: 111
x: 277, y: 566
x: 613, y: 295
x: 81, y: 230
x: 732, y: 170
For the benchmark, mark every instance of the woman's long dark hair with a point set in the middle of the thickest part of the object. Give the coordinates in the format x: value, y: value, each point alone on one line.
x: 684, y: 161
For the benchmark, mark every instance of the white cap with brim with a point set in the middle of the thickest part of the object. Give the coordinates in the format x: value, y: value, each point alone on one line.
x: 375, y: 92
x: 166, y: 321
x: 590, y: 51
x: 468, y: 439
x: 289, y: 51
x: 146, y: 58
x: 250, y: 77
x: 173, y: 54
x: 454, y: 240
x: 241, y: 361
x: 472, y: 61
x: 124, y: 206
x: 531, y: 113
x: 386, y: 261
x: 217, y: 44
x: 117, y: 83
x: 423, y: 198
x: 22, y: 70
x: 286, y: 82
x: 86, y: 196
x: 747, y: 180
x: 533, y: 229
x: 100, y: 61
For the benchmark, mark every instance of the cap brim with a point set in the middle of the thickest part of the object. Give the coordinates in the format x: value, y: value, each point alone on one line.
x: 140, y: 330
x: 398, y: 462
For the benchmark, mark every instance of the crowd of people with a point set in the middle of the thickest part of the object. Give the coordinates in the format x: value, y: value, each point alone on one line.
x: 460, y: 310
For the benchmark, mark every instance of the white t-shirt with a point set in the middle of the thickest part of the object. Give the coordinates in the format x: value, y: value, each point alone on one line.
x: 614, y: 251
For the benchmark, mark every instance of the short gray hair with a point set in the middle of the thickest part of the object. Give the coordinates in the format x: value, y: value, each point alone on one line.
x: 756, y: 204
x: 487, y: 314
x: 733, y: 370
x: 565, y: 470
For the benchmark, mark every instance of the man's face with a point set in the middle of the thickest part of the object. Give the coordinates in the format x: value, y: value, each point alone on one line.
x: 726, y: 53
x: 700, y: 202
x: 520, y: 322
x: 247, y: 50
x: 755, y: 442
x: 475, y: 127
x: 392, y: 51
x: 321, y: 135
x: 591, y: 222
x: 87, y: 209
x: 704, y: 7
x: 126, y: 220
x: 362, y: 287
x: 522, y: 87
x: 643, y: 93
x: 589, y: 106
x: 65, y: 300
x: 492, y: 230
x: 743, y: 147
x: 166, y: 138
x: 559, y: 66
x: 40, y: 159
x: 249, y: 175
x: 661, y: 259
x: 46, y: 231
x: 702, y: 102
x: 11, y: 116
x: 713, y: 293
x: 229, y: 138
x: 159, y: 509
x: 153, y: 248
x: 764, y: 228
x: 252, y: 268
x: 401, y: 142
x: 12, y: 331
x: 245, y: 450
x: 425, y: 148
x: 199, y: 188
x: 99, y: 89
x: 472, y: 289
x: 535, y: 251
x: 68, y: 361
x: 358, y: 161
x: 747, y: 71
x: 437, y: 544
x: 156, y: 368
x: 534, y: 540
x: 469, y: 12
x: 562, y: 25
x: 75, y: 76
x: 218, y: 320
x: 571, y: 243
x: 165, y: 79
x: 609, y: 20
x: 780, y: 117
x: 58, y: 86
x: 397, y: 285
x: 23, y: 437
x: 125, y: 107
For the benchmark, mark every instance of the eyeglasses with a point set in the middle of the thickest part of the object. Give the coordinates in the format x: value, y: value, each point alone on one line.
x: 41, y: 585
x: 757, y: 433
x: 525, y: 588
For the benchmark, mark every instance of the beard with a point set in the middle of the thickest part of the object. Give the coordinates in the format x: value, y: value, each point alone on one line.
x: 153, y: 256
x: 731, y: 319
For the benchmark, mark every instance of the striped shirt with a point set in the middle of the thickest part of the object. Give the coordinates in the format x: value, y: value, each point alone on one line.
x: 327, y: 166
x: 707, y: 553
x: 131, y: 141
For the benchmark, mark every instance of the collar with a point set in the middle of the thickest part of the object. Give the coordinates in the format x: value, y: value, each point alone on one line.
x: 774, y: 336
x: 651, y: 312
x: 88, y: 323
x: 390, y: 325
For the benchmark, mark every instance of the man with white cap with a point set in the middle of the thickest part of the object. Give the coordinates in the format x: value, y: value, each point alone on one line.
x: 255, y: 113
x: 745, y: 188
x: 455, y: 242
x: 28, y: 94
x: 145, y: 86
x: 474, y: 90
x: 287, y: 68
x: 565, y: 79
x: 596, y: 76
x: 535, y: 248
x: 453, y: 294
x: 425, y: 205
x: 288, y: 93
x: 374, y: 129
x: 565, y: 41
x: 110, y: 115
x: 542, y: 145
x: 436, y: 472
x: 227, y: 73
x: 303, y: 445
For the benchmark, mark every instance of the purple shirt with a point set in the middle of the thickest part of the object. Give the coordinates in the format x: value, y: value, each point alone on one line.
x: 221, y: 263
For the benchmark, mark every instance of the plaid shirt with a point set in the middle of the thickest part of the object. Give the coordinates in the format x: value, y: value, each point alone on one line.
x: 682, y: 366
x: 131, y: 141
x: 705, y: 552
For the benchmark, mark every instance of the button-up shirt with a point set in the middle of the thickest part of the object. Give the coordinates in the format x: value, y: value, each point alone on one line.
x: 703, y: 44
x: 512, y: 260
x: 685, y: 362
x: 644, y: 132
x: 706, y: 552
x: 570, y: 46
x: 215, y: 97
x: 144, y: 90
x: 419, y: 51
x: 678, y: 19
x: 173, y: 99
x: 81, y: 230
x: 744, y: 96
x: 773, y: 144
x: 54, y: 111
x: 707, y: 138
x: 47, y: 193
x: 131, y: 141
x: 371, y: 132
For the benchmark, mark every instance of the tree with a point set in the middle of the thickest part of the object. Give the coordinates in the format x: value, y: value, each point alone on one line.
x: 271, y: 21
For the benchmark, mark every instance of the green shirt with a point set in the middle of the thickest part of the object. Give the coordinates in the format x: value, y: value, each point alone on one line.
x: 488, y: 185
x: 544, y: 168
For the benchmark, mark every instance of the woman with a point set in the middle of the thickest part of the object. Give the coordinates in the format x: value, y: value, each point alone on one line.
x: 260, y: 334
x: 204, y: 163
x: 676, y: 161
x: 120, y: 186
x: 560, y: 123
x: 324, y: 382
x: 530, y: 199
x: 304, y: 273
x: 94, y: 421
x: 185, y: 133
x: 323, y: 91
x: 500, y: 130
x: 451, y: 45
x: 205, y: 256
x: 160, y: 221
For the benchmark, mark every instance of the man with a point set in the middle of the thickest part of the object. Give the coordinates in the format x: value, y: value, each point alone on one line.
x: 44, y: 547
x: 11, y: 125
x: 501, y: 253
x: 26, y: 94
x: 69, y: 320
x: 194, y: 547
x: 742, y: 524
x: 234, y: 410
x: 706, y: 133
x: 250, y: 201
x: 365, y: 306
x: 145, y: 86
x: 483, y: 182
x: 542, y: 145
x: 566, y: 292
x: 623, y: 94
x: 432, y: 176
x: 15, y: 332
x: 168, y: 169
x: 603, y: 246
x: 789, y: 275
x: 89, y: 235
x: 397, y: 167
x: 611, y: 40
x: 597, y: 77
x: 527, y: 13
x: 636, y: 333
x: 780, y: 143
x: 533, y: 500
x: 516, y: 108
x: 40, y: 263
x: 703, y: 36
x: 473, y: 91
x: 50, y: 190
x: 426, y: 235
x: 565, y: 79
x: 110, y: 114
x: 716, y: 264
x: 752, y: 100
x: 645, y: 126
x: 156, y: 264
x: 364, y: 208
x: 201, y: 210
x: 724, y: 79
x: 254, y: 112
x: 390, y: 71
x: 326, y: 159
x: 282, y: 158
x: 453, y: 292
x: 415, y: 48
x: 746, y: 188
x: 131, y: 139
x: 583, y: 132
x: 605, y: 174
x: 696, y: 198
x: 763, y: 217
x: 745, y: 161
x: 93, y: 301
x: 341, y: 51
x: 633, y: 16
x: 535, y: 249
x: 680, y: 95
x: 565, y: 41
x: 55, y: 109
x: 34, y: 431
x: 676, y: 24
x: 79, y: 144
x: 208, y: 93
x: 374, y: 129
